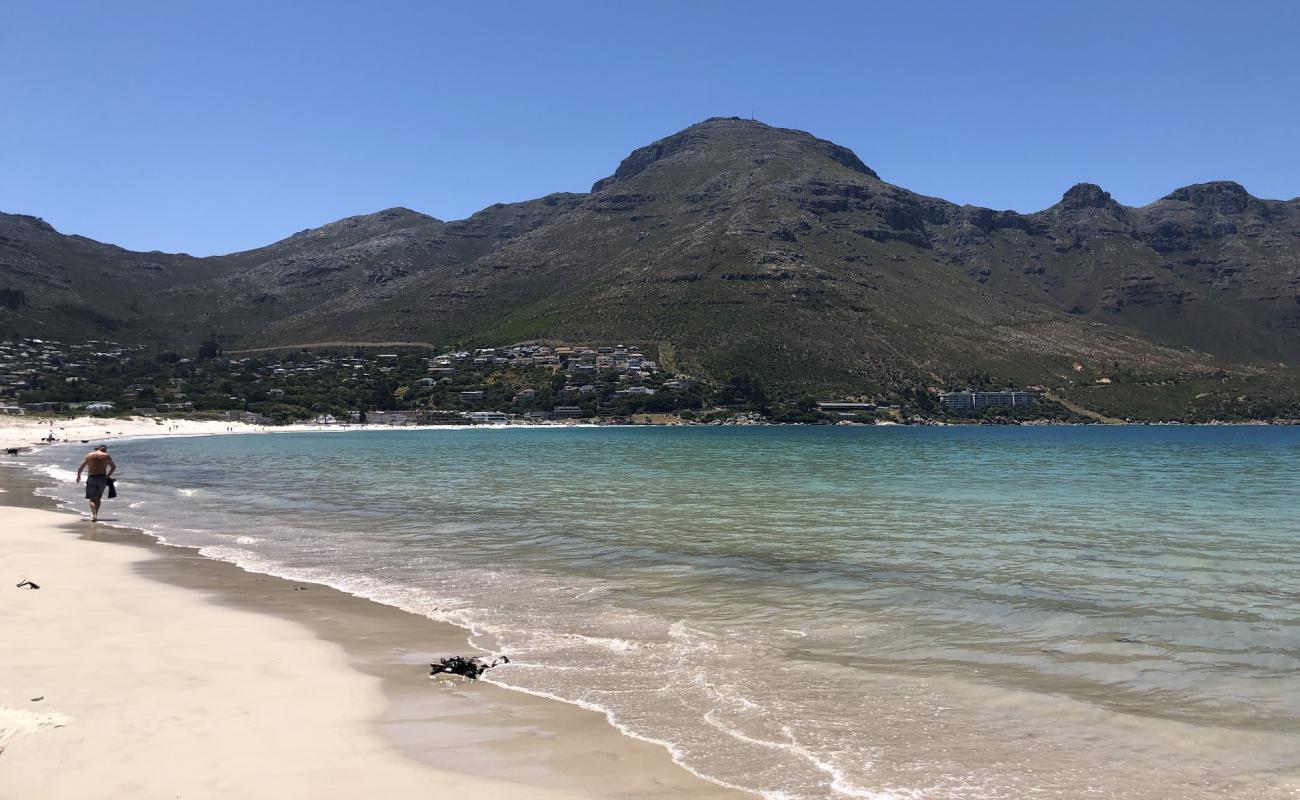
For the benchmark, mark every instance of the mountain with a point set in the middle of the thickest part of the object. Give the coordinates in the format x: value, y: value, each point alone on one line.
x: 735, y: 247
x: 76, y: 287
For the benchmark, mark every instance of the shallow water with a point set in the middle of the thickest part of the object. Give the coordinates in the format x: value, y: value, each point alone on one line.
x: 818, y: 612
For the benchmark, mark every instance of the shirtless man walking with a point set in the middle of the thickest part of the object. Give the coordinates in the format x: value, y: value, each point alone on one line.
x: 98, y: 466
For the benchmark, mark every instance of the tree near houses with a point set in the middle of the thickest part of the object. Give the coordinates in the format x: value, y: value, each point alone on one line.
x: 209, y: 349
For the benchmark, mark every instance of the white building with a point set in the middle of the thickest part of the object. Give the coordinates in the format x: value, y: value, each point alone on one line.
x: 968, y: 401
x: 488, y: 417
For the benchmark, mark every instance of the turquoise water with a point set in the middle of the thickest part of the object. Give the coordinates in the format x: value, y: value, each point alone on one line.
x: 819, y: 612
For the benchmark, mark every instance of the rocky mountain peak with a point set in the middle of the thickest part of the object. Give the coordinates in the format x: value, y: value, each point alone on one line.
x: 389, y: 218
x: 401, y: 212
x: 1086, y: 195
x: 1222, y: 196
x: 26, y: 221
x: 732, y: 139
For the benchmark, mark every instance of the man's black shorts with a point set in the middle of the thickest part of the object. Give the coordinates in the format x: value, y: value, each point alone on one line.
x: 95, y: 486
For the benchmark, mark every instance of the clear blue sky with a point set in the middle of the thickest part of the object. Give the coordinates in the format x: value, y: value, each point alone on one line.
x: 212, y: 127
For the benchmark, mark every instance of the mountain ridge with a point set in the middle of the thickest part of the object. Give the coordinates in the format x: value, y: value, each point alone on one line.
x: 747, y: 248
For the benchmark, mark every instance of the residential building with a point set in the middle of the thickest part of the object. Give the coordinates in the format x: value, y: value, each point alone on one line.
x: 387, y: 418
x: 974, y: 401
x: 845, y: 409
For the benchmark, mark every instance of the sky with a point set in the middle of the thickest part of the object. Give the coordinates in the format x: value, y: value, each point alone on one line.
x: 214, y: 127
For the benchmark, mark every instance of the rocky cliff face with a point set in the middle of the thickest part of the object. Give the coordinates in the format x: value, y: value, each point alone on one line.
x: 74, y: 287
x: 745, y: 248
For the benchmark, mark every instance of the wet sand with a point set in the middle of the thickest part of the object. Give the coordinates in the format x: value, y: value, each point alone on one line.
x: 412, y: 731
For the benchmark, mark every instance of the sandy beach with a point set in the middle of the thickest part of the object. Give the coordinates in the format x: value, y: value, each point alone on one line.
x: 29, y: 431
x: 142, y: 671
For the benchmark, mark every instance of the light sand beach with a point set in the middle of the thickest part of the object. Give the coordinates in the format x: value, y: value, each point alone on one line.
x: 148, y: 672
x: 28, y: 431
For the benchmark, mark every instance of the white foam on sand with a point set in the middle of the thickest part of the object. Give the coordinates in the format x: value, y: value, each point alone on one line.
x: 15, y: 722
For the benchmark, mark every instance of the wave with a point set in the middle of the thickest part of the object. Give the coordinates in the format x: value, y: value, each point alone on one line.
x: 674, y: 751
x: 710, y: 690
x: 57, y: 472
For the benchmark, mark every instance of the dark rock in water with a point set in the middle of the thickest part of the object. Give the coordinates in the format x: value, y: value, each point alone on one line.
x: 470, y: 668
x: 1128, y: 640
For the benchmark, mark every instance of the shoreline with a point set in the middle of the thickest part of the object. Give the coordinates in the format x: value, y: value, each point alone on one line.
x: 26, y: 432
x: 476, y: 736
x: 458, y: 729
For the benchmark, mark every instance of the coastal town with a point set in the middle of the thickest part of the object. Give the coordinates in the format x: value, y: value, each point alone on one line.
x: 524, y: 383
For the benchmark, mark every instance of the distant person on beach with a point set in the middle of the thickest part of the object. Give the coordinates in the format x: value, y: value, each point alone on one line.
x: 99, y: 467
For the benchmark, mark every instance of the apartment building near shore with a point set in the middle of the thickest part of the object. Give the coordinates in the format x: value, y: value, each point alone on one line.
x: 976, y: 401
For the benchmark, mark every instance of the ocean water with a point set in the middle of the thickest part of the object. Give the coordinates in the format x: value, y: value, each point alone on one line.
x: 1052, y: 612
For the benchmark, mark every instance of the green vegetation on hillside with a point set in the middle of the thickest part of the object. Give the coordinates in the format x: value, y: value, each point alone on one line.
x: 749, y: 251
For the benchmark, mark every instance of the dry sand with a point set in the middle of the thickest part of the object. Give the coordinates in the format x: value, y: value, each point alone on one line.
x: 27, y: 431
x: 164, y: 674
x: 148, y: 691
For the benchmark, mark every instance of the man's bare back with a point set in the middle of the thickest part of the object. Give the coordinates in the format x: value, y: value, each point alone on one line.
x: 98, y: 465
